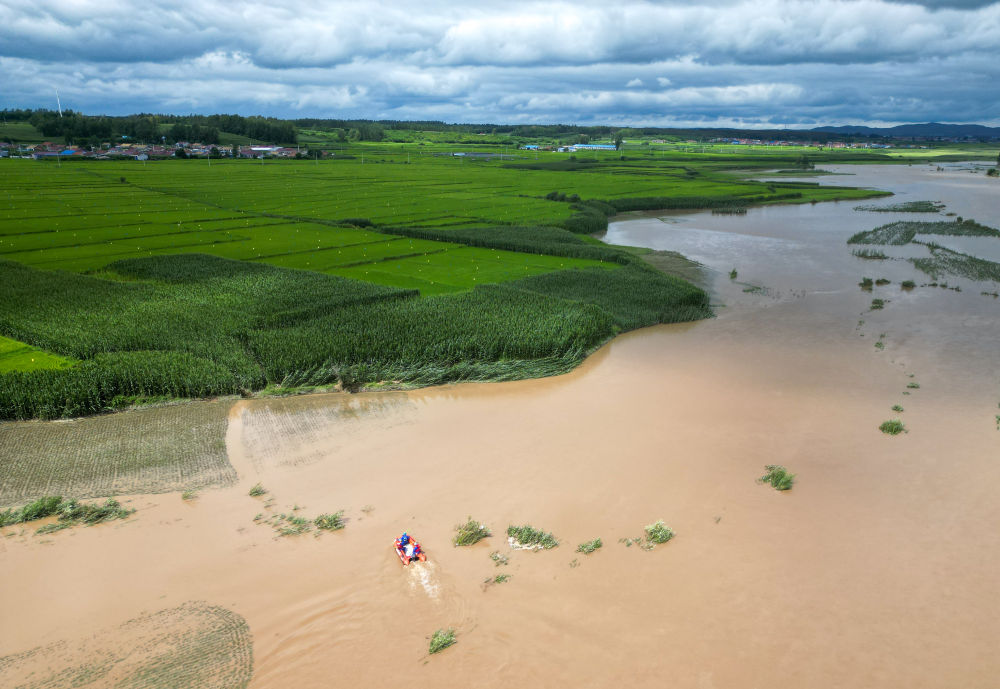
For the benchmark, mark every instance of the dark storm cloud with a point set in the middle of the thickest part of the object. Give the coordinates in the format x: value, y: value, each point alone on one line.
x: 763, y: 63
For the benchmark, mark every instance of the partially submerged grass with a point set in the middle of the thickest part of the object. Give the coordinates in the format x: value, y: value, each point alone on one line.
x: 257, y: 491
x: 70, y: 512
x: 296, y: 525
x: 913, y: 386
x: 529, y: 538
x: 442, y: 639
x: 654, y: 534
x: 882, y: 281
x: 945, y: 261
x: 189, y: 495
x: 873, y: 254
x: 658, y: 533
x: 589, y: 547
x: 903, y: 232
x: 498, y: 558
x: 866, y: 284
x: 907, y: 284
x: 330, y: 522
x: 877, y: 304
x: 905, y: 207
x: 892, y: 427
x: 471, y: 532
x: 897, y: 407
x: 501, y: 578
x: 778, y: 477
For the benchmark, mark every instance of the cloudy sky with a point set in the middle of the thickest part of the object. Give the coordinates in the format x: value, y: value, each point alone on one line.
x: 728, y: 63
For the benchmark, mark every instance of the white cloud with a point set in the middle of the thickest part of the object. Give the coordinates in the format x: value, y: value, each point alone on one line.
x: 728, y: 60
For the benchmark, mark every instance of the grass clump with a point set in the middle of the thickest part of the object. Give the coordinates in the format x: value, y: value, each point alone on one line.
x: 39, y: 509
x: 877, y: 304
x: 257, y: 491
x: 70, y: 512
x: 529, y: 538
x: 442, y: 639
x: 330, y: 522
x: 897, y: 407
x: 778, y: 477
x: 866, y: 283
x: 589, y: 547
x: 892, y: 427
x: 654, y: 534
x: 189, y: 495
x: 913, y: 386
x: 732, y: 274
x: 907, y: 284
x: 873, y: 254
x: 500, y: 578
x: 471, y: 532
x: 882, y: 281
x: 659, y: 532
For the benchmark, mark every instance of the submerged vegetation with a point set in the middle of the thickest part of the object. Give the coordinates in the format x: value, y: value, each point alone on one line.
x: 871, y: 254
x: 470, y: 532
x: 653, y: 534
x: 905, y: 207
x: 69, y: 512
x: 904, y: 231
x: 529, y: 538
x: 944, y: 261
x: 442, y: 639
x: 892, y: 427
x: 292, y: 524
x: 589, y: 547
x: 777, y: 477
x: 658, y: 532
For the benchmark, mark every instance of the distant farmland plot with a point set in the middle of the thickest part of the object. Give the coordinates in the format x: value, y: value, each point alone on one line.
x: 73, y: 218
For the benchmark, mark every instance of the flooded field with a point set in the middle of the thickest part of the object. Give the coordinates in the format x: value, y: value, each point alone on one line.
x: 878, y: 569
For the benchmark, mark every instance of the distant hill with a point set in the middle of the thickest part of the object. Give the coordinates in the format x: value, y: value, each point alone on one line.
x: 977, y: 131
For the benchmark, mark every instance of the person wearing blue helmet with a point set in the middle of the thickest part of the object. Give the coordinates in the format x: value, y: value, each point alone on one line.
x: 409, y: 548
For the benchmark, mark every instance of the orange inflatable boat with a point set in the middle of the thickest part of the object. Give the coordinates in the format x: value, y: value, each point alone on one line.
x: 409, y: 550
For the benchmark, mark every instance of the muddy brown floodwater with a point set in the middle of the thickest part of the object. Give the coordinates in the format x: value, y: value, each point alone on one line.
x: 879, y: 569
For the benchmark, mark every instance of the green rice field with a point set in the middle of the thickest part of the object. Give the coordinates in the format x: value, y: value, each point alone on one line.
x: 124, y: 282
x: 17, y: 356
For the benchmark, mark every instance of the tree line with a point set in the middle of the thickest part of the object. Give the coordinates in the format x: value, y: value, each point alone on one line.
x: 80, y: 129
